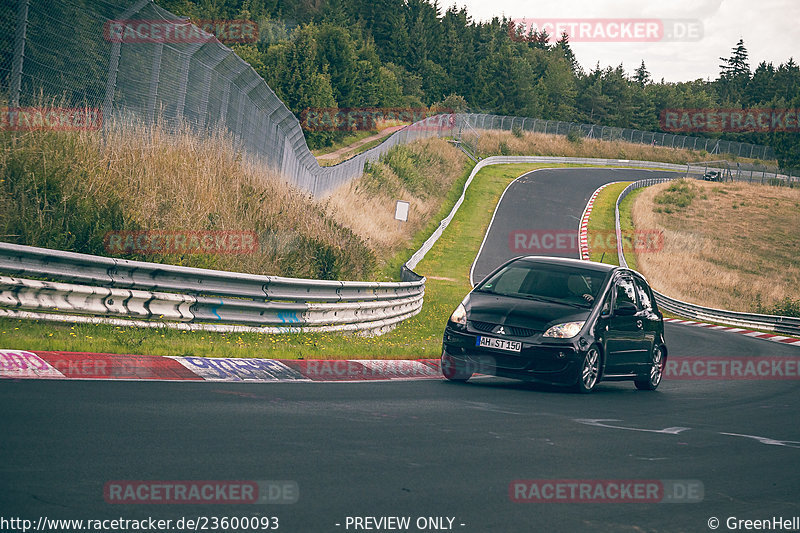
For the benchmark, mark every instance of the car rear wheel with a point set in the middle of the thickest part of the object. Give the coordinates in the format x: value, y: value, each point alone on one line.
x: 454, y: 370
x: 589, y: 371
x: 656, y: 371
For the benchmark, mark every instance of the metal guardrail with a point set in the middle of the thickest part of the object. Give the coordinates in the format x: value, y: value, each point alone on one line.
x: 105, y: 287
x: 776, y: 323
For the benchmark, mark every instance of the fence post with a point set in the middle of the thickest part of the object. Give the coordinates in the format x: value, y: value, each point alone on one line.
x: 113, y: 63
x: 15, y: 84
x: 155, y: 72
x: 206, y: 91
x: 184, y: 80
x: 243, y: 92
x: 223, y: 108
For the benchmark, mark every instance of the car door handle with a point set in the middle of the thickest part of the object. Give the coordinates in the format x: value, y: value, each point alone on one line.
x: 639, y: 324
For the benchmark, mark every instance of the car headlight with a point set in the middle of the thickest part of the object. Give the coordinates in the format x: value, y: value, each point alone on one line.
x: 565, y: 331
x: 459, y: 316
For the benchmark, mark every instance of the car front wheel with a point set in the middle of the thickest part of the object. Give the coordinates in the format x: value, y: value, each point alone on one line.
x: 656, y: 371
x: 589, y: 371
x: 454, y: 370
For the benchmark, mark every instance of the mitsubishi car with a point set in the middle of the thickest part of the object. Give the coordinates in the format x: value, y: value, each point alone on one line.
x: 558, y: 321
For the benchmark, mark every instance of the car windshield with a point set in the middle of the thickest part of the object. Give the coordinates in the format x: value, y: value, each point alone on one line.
x: 555, y: 283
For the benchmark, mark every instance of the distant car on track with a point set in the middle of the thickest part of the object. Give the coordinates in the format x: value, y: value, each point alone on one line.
x: 712, y: 175
x: 558, y: 321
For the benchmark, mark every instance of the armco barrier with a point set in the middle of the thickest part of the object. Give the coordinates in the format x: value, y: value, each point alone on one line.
x: 778, y: 324
x: 108, y: 290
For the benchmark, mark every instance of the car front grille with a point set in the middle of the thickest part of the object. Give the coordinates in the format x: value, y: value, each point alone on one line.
x: 514, y: 331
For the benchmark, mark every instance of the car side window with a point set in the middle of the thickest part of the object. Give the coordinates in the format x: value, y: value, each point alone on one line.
x: 606, y: 309
x: 624, y: 292
x: 644, y: 295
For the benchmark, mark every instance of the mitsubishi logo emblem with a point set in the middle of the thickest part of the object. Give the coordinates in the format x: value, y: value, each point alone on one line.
x: 501, y: 331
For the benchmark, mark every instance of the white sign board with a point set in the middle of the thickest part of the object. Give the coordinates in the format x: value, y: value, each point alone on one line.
x: 401, y: 211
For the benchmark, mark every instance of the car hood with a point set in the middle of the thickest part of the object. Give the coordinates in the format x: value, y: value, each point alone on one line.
x: 532, y: 314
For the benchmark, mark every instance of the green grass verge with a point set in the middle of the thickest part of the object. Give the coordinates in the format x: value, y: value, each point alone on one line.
x: 626, y: 225
x: 602, y: 226
x: 446, y: 266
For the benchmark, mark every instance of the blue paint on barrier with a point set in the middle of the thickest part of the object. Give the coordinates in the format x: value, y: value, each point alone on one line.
x: 214, y: 309
x: 288, y: 317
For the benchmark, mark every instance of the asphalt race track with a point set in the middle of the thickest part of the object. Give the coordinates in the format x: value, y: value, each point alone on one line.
x: 422, y: 448
x: 550, y: 202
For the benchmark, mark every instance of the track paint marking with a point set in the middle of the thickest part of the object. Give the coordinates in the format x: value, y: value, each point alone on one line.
x: 766, y: 440
x: 239, y: 369
x: 17, y: 364
x: 599, y: 422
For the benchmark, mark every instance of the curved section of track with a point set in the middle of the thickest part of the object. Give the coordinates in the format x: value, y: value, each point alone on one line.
x: 423, y: 448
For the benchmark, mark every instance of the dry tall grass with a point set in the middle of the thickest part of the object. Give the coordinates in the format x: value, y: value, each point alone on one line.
x: 66, y: 190
x: 736, y: 246
x: 529, y: 143
x: 421, y: 173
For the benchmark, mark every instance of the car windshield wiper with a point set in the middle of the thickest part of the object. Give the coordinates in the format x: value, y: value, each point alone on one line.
x: 486, y: 291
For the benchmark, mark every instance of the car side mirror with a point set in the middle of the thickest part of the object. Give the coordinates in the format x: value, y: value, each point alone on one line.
x: 625, y: 309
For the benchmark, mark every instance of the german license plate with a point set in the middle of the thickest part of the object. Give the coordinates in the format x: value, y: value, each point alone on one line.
x: 498, y: 344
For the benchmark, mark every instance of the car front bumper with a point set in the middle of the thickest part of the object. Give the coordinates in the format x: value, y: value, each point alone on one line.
x: 556, y: 362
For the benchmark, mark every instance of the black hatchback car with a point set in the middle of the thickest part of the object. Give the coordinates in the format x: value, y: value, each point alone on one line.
x: 558, y: 321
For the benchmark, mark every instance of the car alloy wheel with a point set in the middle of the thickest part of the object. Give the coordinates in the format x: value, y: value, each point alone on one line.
x: 590, y: 370
x: 656, y: 371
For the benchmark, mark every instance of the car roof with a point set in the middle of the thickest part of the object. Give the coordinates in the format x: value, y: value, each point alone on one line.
x: 566, y: 261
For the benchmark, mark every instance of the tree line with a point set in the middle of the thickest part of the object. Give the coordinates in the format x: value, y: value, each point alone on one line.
x: 413, y: 53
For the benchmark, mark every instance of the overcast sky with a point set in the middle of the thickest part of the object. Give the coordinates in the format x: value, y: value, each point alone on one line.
x: 770, y: 29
